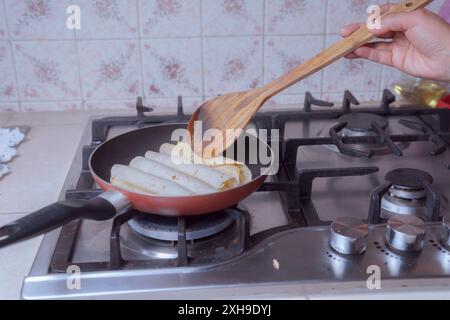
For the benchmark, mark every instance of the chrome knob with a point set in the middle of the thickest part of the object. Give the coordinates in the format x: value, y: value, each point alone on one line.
x: 405, y: 233
x: 349, y: 236
x: 445, y: 235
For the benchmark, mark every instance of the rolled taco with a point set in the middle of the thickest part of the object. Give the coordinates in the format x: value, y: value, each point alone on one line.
x: 160, y: 170
x: 137, y: 181
x: 215, y: 178
x: 236, y: 169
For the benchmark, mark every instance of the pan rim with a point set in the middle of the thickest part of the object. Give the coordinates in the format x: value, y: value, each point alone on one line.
x: 96, y: 176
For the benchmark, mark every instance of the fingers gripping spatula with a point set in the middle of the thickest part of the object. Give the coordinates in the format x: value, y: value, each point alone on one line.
x: 234, y: 111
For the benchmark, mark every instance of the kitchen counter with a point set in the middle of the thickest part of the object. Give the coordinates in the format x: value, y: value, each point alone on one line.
x: 36, y: 179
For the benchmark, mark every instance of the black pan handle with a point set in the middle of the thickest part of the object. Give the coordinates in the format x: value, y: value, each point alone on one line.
x: 103, y: 207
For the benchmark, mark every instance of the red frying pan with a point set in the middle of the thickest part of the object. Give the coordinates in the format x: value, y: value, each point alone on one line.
x: 121, y: 150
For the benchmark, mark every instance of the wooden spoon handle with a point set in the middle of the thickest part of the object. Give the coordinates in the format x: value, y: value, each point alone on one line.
x: 338, y: 50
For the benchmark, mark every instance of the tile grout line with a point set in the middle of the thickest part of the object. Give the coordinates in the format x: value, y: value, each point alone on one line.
x: 141, y: 60
x: 80, y: 81
x: 202, y: 47
x: 13, y: 59
x: 169, y: 37
x: 322, y: 80
x: 263, y: 80
x: 161, y: 98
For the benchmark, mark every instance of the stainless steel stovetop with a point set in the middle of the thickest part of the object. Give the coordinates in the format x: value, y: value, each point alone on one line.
x: 287, y: 251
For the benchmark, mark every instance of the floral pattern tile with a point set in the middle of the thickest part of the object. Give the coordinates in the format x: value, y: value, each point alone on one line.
x: 283, y: 54
x: 47, y: 70
x: 168, y: 69
x: 38, y: 19
x: 245, y: 44
x: 342, y: 12
x: 9, y: 107
x: 170, y: 18
x: 232, y: 17
x: 106, y: 19
x: 51, y: 106
x: 3, y: 28
x: 295, y: 16
x: 8, y: 90
x: 110, y: 69
x: 357, y: 74
x: 232, y: 64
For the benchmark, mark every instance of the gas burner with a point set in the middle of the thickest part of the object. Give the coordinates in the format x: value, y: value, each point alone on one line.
x: 360, y: 124
x: 409, y: 183
x: 365, y: 125
x: 166, y: 228
x: 213, y: 237
x: 407, y: 195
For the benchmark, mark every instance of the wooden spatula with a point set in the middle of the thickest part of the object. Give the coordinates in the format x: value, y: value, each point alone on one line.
x: 236, y: 110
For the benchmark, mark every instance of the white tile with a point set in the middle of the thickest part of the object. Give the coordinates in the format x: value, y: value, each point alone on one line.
x: 106, y: 19
x: 294, y: 100
x: 40, y: 168
x: 110, y: 69
x: 355, y: 75
x: 362, y: 97
x: 282, y: 54
x: 8, y: 88
x: 41, y: 106
x: 295, y: 16
x: 47, y: 70
x: 9, y: 107
x: 233, y: 17
x: 38, y: 19
x: 232, y: 64
x: 170, y: 18
x: 169, y: 105
x: 168, y: 69
x: 109, y: 104
x: 392, y: 76
x: 16, y: 261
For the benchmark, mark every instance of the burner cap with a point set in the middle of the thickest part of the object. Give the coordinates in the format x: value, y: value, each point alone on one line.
x: 363, y: 121
x: 166, y: 228
x: 408, y: 178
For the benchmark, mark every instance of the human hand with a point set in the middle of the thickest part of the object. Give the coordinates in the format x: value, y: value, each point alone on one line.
x: 418, y: 43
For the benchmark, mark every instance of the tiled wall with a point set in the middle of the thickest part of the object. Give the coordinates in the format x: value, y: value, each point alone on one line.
x: 163, y: 48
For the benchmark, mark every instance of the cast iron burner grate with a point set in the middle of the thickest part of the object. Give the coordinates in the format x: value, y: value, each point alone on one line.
x: 362, y: 123
x: 295, y: 186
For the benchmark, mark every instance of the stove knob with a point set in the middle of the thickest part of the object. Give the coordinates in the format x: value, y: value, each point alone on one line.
x: 446, y: 230
x: 349, y: 236
x: 405, y: 233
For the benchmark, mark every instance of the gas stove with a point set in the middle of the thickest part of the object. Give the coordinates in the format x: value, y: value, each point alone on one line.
x: 359, y: 189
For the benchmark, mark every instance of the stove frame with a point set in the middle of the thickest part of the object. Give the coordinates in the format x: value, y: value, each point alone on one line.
x: 301, y: 211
